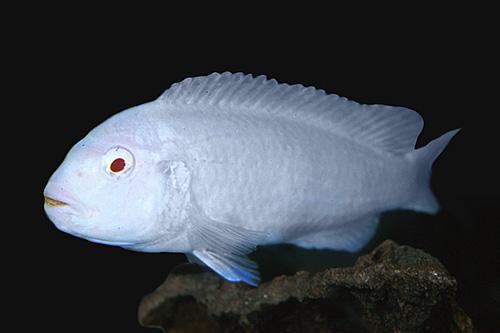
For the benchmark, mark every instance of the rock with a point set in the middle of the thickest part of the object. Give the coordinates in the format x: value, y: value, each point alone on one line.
x: 392, y: 289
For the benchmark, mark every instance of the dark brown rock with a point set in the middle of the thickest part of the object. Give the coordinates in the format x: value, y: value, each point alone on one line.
x: 392, y: 289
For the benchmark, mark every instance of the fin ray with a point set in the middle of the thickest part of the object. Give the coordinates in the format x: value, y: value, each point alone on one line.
x: 387, y: 128
x: 230, y: 266
x: 223, y: 248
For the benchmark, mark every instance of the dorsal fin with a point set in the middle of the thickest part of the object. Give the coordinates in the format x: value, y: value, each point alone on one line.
x: 388, y: 128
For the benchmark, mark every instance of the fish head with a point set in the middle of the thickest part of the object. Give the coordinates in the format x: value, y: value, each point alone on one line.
x: 108, y: 190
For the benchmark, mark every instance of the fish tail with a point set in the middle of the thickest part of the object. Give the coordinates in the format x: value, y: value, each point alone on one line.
x: 423, y: 158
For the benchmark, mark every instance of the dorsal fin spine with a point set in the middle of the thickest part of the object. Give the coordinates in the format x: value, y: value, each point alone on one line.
x: 386, y: 128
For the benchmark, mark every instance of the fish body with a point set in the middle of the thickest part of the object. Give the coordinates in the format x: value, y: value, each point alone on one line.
x: 223, y: 163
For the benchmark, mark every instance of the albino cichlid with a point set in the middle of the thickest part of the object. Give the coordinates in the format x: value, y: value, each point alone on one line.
x: 222, y: 163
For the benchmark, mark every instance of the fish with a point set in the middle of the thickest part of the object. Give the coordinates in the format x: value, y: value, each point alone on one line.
x: 221, y: 164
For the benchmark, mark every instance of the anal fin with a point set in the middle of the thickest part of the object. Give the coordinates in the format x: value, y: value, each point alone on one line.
x: 351, y: 236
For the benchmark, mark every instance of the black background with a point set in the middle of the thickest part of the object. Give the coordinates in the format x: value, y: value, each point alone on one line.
x: 71, y: 75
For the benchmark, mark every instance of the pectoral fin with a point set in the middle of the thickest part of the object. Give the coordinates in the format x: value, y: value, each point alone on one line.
x: 224, y: 248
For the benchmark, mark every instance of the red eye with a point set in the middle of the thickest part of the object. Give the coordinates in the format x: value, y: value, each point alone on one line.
x: 117, y: 165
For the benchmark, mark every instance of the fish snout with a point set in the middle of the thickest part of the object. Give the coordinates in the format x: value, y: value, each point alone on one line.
x: 57, y: 198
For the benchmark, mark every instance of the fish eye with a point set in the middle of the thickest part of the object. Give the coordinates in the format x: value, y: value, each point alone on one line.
x: 117, y: 165
x: 118, y: 161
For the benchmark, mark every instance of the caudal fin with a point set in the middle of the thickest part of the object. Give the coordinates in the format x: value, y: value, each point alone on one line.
x: 424, y: 200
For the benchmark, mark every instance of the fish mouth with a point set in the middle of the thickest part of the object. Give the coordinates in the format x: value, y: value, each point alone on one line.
x: 53, y: 202
x: 57, y: 200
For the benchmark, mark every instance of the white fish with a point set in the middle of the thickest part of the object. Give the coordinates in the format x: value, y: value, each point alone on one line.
x: 220, y: 164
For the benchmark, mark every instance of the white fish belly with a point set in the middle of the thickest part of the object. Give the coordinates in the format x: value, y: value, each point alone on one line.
x: 284, y: 177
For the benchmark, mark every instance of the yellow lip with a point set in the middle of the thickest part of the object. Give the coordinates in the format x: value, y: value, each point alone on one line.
x: 53, y: 202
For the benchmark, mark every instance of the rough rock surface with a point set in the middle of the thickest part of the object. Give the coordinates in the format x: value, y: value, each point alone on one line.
x: 392, y: 289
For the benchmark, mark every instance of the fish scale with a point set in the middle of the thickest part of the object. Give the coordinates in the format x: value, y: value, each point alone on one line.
x: 227, y: 187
